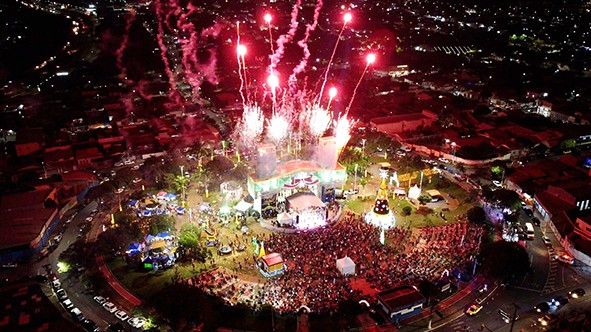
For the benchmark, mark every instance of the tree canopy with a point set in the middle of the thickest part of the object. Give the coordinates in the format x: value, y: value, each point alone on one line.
x: 504, y: 260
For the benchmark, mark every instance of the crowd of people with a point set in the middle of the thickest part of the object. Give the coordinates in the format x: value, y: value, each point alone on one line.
x: 313, y: 280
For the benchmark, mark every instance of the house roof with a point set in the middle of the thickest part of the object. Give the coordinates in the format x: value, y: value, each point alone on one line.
x: 272, y: 259
x: 563, y: 223
x: 88, y: 153
x: 400, y: 297
x: 552, y: 204
x: 24, y: 200
x: 22, y: 227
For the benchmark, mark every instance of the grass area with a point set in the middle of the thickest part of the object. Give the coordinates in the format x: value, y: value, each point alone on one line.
x: 146, y: 284
x: 459, y: 205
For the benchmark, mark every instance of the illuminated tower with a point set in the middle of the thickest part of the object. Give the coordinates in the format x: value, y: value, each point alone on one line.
x: 381, y: 215
x: 381, y: 206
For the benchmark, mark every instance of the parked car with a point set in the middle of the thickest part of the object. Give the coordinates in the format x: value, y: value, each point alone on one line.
x: 122, y: 315
x: 61, y: 294
x: 99, y: 299
x: 77, y: 314
x: 559, y: 300
x: 136, y: 322
x: 110, y: 307
x: 68, y: 305
x: 576, y: 293
x: 56, y: 284
x: 546, y: 241
x: 57, y: 238
x: 542, y: 307
x: 89, y: 325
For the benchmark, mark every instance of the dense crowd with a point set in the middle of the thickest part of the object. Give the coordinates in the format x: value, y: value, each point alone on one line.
x: 312, y: 279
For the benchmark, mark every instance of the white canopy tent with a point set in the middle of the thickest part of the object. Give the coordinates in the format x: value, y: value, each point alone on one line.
x: 285, y: 219
x: 346, y: 266
x: 242, y: 206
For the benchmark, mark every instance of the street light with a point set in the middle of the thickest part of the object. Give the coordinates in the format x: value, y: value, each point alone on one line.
x: 453, y: 151
x: 355, y: 183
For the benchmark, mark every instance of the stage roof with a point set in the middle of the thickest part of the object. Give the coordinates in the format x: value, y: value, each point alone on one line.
x: 302, y: 201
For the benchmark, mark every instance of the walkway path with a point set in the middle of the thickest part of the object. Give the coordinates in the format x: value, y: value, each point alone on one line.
x: 114, y: 283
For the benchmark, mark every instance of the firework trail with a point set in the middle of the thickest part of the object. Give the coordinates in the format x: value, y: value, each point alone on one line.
x: 286, y: 38
x: 163, y: 52
x: 123, y: 46
x: 370, y: 59
x: 240, y: 51
x: 303, y: 43
x: 268, y: 19
x: 208, y: 69
x: 346, y: 19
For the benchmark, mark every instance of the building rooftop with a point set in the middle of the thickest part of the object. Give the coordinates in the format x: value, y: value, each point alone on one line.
x: 24, y: 227
x: 400, y: 297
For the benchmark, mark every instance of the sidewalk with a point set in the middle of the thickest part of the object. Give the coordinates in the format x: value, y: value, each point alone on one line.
x: 114, y: 283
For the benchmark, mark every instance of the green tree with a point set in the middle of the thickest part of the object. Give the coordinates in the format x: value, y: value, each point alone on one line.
x: 497, y: 171
x: 190, y: 236
x: 179, y: 183
x: 505, y: 261
x: 476, y: 215
x: 160, y: 223
x: 503, y: 198
x: 406, y: 211
x: 568, y: 144
x: 424, y: 198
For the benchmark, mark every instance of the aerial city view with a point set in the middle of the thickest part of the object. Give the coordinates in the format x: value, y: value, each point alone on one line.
x: 295, y: 165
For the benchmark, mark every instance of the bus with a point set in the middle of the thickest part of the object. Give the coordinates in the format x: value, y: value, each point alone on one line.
x: 529, y: 231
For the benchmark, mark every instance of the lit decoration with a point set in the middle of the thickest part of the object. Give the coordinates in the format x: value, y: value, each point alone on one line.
x: 381, y: 215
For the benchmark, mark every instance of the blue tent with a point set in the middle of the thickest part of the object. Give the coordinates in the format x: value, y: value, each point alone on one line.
x: 159, y: 212
x: 180, y: 210
x: 170, y: 196
x: 147, y: 213
x: 163, y: 234
x: 134, y: 248
x: 132, y: 203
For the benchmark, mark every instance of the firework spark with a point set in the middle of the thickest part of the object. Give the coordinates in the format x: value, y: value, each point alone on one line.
x: 342, y: 131
x: 319, y: 120
x: 277, y: 128
x: 251, y: 125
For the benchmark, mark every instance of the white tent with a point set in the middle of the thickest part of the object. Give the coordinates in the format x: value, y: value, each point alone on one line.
x: 346, y: 265
x: 285, y: 219
x: 242, y: 206
x: 414, y: 192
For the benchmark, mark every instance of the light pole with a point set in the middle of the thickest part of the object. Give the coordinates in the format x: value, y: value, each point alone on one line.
x: 355, y: 182
x: 183, y: 181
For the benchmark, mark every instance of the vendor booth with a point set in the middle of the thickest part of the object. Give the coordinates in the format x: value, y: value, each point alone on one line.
x: 271, y: 265
x: 346, y: 266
